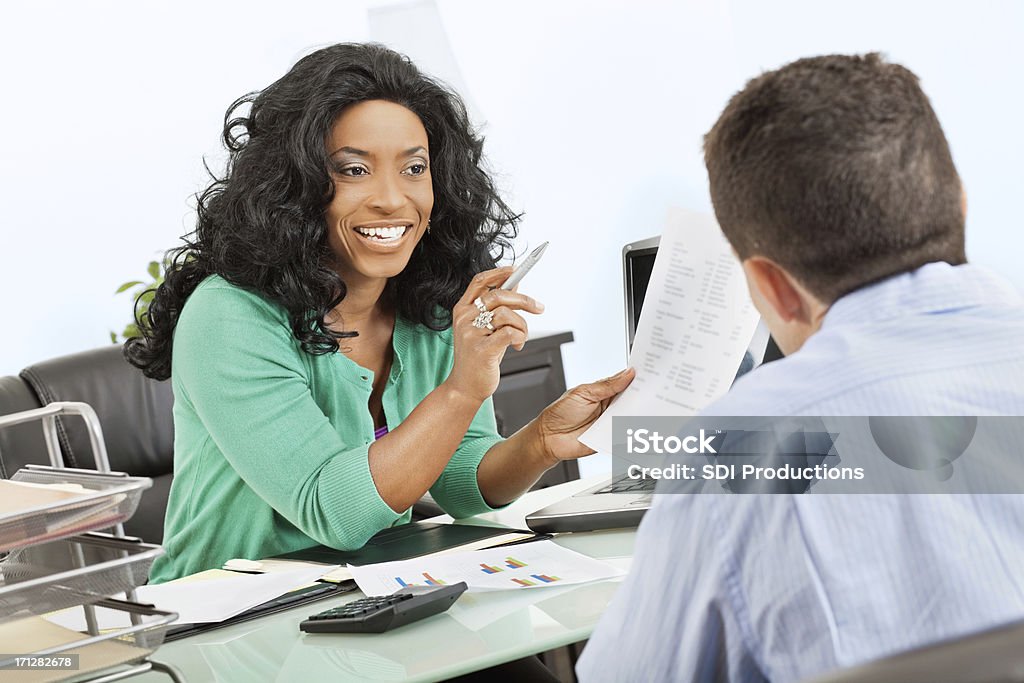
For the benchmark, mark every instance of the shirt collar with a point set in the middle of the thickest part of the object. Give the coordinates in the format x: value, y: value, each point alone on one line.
x: 932, y: 288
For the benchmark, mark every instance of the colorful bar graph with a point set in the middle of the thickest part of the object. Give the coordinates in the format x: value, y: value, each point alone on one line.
x: 545, y: 578
x: 514, y: 563
x: 431, y: 581
x: 489, y: 569
x: 524, y: 582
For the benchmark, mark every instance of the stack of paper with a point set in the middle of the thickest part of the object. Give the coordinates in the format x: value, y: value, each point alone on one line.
x: 20, y: 496
x: 41, y: 512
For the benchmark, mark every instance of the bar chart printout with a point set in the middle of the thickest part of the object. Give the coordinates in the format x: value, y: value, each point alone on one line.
x: 534, y: 565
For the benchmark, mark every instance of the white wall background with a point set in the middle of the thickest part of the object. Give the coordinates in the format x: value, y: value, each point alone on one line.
x: 593, y: 112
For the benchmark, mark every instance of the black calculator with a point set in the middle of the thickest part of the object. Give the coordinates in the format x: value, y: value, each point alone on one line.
x: 383, y: 613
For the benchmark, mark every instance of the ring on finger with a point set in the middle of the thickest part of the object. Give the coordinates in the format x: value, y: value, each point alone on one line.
x: 483, y: 320
x: 480, y: 305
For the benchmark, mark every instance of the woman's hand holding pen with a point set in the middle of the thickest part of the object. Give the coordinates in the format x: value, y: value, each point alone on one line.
x: 479, y: 349
x: 484, y: 324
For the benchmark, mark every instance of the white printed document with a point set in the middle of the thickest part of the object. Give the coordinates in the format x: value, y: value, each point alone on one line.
x: 514, y: 567
x: 696, y: 322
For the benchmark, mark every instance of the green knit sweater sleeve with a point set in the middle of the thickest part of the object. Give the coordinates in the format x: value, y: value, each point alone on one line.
x: 457, y: 490
x: 247, y: 381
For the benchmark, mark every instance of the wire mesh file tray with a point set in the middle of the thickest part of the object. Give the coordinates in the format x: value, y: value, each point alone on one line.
x: 113, y: 654
x: 90, y: 500
x: 47, y: 416
x: 46, y: 578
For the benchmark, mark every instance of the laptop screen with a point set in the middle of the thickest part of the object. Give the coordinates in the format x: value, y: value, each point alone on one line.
x: 637, y: 265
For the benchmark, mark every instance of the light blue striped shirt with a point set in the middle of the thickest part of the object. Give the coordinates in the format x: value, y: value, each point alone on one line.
x: 779, y: 588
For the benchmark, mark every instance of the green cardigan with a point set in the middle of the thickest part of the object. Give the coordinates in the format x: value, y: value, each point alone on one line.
x: 271, y: 443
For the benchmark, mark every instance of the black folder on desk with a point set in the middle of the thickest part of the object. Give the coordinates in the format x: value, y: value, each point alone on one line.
x: 406, y: 541
x: 296, y: 598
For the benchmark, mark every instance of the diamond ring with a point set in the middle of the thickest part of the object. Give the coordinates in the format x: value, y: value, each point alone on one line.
x: 484, y: 320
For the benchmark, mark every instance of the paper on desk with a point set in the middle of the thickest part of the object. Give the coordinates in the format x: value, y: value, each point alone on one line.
x: 275, y: 566
x: 697, y: 320
x: 199, y: 601
x: 32, y: 634
x: 528, y: 565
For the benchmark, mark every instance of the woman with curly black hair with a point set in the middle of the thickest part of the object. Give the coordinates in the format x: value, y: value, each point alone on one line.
x: 333, y: 328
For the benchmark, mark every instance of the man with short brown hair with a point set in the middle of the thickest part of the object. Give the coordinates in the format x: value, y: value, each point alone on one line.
x: 833, y: 182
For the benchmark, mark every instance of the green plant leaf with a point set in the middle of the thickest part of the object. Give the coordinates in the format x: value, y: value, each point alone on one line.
x: 128, y: 285
x: 113, y: 337
x: 142, y: 296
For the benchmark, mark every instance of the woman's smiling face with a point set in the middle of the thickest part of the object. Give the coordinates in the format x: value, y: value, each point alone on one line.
x: 383, y: 195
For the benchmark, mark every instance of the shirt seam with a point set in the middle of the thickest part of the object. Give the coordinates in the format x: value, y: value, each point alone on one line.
x: 819, y: 586
x: 190, y: 496
x: 733, y: 594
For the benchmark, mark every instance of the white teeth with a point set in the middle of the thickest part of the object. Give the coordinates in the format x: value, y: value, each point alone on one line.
x: 387, y: 234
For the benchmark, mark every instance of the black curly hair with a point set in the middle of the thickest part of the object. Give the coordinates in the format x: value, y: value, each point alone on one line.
x: 262, y: 226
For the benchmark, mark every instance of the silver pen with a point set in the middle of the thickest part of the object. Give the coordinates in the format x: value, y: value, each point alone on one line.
x: 523, y: 268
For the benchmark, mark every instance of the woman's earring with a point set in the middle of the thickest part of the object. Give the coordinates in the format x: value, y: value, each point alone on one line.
x: 428, y: 226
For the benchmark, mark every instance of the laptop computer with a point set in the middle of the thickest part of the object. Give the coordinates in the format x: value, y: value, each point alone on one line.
x: 622, y: 502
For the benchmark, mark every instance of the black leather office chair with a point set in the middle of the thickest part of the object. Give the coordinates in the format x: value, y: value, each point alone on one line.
x: 135, y: 414
x: 992, y: 656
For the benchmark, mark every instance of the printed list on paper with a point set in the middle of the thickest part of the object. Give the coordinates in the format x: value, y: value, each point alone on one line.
x: 696, y: 323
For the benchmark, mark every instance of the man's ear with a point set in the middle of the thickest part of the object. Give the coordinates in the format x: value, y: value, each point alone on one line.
x: 777, y: 288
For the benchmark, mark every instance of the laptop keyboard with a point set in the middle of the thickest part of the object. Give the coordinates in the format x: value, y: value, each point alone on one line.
x: 627, y: 485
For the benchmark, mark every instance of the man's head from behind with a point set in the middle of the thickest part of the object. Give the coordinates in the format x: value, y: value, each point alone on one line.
x: 827, y: 175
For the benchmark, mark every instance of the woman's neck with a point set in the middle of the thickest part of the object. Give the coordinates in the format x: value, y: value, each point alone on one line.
x: 364, y: 302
